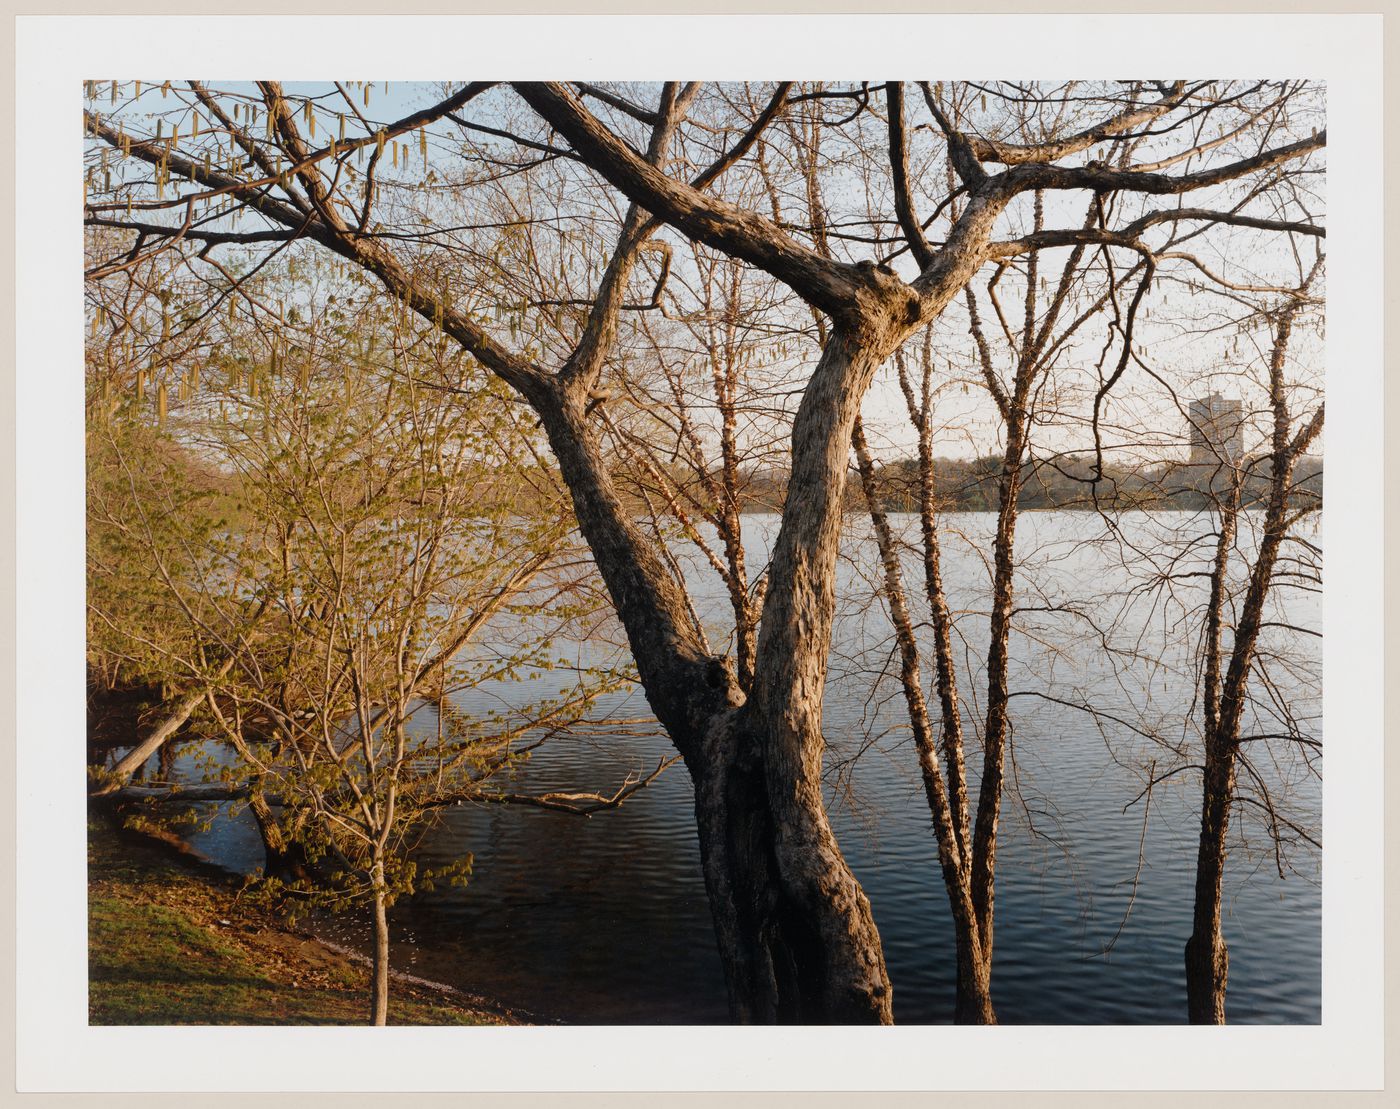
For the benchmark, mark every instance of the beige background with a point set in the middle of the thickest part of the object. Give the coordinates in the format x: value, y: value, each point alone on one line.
x: 736, y: 1100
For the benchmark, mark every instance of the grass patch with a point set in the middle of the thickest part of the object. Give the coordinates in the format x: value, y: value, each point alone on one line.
x: 170, y: 942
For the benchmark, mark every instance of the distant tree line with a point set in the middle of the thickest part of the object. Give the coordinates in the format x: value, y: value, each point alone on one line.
x: 1060, y: 482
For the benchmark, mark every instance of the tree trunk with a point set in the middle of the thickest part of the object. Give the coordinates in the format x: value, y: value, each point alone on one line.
x: 984, y: 840
x: 1207, y: 960
x: 973, y: 1001
x: 794, y: 929
x: 136, y: 758
x: 735, y: 831
x: 183, y: 709
x: 379, y: 961
x: 283, y: 860
x: 784, y: 959
x: 973, y: 1004
x: 793, y: 649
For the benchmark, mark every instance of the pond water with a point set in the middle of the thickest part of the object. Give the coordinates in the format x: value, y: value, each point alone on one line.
x: 605, y: 920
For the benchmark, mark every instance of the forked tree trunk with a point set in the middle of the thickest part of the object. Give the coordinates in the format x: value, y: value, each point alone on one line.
x: 973, y: 998
x: 1225, y: 696
x: 794, y: 929
x: 1207, y: 961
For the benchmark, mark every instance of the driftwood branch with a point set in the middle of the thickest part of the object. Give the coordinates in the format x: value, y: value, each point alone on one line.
x: 577, y: 804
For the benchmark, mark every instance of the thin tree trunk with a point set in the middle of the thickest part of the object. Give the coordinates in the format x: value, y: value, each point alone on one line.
x: 973, y: 1000
x: 945, y: 670
x: 984, y: 850
x: 1207, y: 960
x: 379, y: 962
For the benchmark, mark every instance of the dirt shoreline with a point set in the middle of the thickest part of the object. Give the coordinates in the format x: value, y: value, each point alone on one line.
x: 150, y: 894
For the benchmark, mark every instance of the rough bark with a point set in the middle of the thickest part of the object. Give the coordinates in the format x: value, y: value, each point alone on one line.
x: 793, y: 644
x: 945, y: 670
x: 772, y: 971
x: 973, y: 1001
x: 796, y: 937
x: 794, y: 929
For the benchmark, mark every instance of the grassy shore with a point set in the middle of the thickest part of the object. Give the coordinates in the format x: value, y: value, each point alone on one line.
x: 170, y: 941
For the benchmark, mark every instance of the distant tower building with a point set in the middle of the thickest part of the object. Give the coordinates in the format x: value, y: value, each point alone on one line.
x: 1217, y: 430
